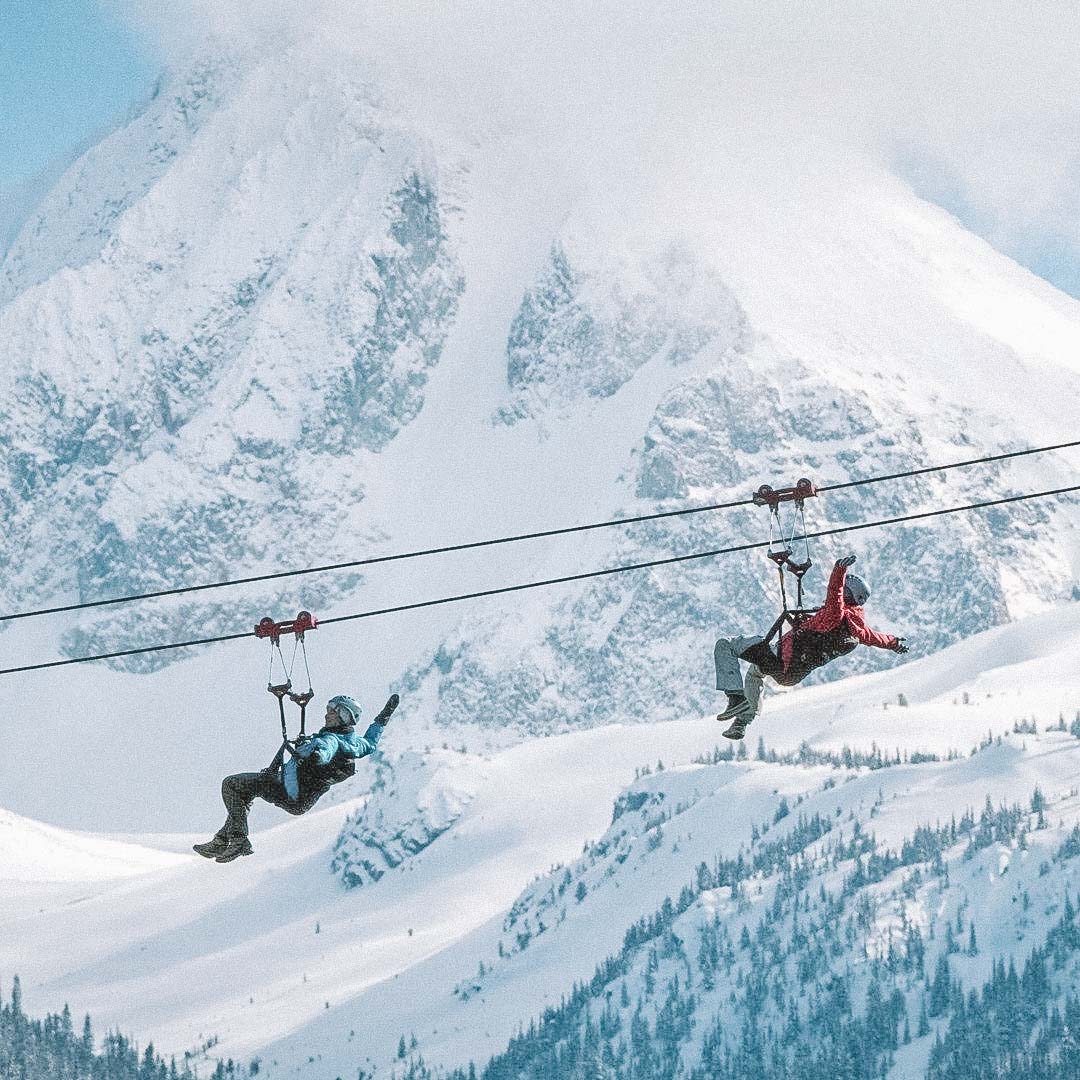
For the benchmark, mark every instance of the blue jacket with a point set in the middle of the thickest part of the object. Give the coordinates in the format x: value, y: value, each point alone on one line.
x: 324, y: 748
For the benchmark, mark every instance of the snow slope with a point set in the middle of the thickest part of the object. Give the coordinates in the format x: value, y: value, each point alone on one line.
x: 474, y: 934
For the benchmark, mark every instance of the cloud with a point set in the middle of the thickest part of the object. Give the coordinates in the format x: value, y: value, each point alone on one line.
x: 977, y: 97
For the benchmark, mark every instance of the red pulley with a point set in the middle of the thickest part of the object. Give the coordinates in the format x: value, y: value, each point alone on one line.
x: 773, y: 497
x: 267, y: 628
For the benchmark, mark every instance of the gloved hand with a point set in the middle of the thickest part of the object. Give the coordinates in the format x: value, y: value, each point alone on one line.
x: 900, y: 645
x: 845, y: 562
x: 387, y: 709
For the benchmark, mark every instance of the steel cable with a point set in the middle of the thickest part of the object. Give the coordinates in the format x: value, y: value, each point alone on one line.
x: 668, y: 561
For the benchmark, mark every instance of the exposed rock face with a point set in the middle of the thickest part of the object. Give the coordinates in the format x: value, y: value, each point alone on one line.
x: 586, y: 332
x: 640, y: 644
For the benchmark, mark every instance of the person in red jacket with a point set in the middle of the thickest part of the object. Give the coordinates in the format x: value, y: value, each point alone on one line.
x: 835, y: 630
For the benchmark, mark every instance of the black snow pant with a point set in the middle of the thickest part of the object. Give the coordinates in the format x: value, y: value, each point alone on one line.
x: 240, y: 790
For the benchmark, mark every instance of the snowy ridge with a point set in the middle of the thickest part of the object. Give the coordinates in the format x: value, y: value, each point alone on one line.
x: 34, y: 854
x: 412, y: 803
x: 715, y: 979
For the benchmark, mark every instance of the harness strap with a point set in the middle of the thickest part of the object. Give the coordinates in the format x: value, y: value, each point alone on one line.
x: 279, y: 691
x: 302, y: 700
x: 275, y: 766
x: 775, y: 628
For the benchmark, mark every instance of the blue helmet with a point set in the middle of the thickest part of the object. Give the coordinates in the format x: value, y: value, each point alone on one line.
x: 856, y: 591
x: 347, y: 709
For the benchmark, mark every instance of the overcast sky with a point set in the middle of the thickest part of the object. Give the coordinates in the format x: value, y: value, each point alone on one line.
x: 67, y: 69
x: 976, y: 102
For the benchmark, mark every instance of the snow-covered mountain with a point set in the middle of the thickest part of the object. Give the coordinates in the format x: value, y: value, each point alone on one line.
x: 284, y: 316
x: 279, y: 319
x: 609, y: 894
x: 182, y: 370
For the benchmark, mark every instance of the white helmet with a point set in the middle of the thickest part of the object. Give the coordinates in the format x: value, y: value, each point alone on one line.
x: 347, y: 708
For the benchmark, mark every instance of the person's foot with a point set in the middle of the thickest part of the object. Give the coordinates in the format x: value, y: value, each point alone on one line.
x: 212, y: 848
x: 738, y: 727
x: 234, y: 848
x: 737, y: 706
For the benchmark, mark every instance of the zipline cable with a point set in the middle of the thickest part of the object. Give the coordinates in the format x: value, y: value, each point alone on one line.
x: 670, y: 560
x: 539, y: 535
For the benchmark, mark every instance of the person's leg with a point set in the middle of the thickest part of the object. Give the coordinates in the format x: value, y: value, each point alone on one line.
x: 238, y: 793
x: 743, y: 694
x: 752, y: 687
x: 272, y: 790
x: 729, y: 677
x: 726, y: 660
x: 741, y: 712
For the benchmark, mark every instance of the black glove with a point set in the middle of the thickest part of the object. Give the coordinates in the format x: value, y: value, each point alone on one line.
x: 387, y: 710
x: 845, y: 562
x: 900, y: 645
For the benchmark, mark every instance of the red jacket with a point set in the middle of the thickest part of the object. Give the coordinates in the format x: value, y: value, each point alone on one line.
x: 837, y: 628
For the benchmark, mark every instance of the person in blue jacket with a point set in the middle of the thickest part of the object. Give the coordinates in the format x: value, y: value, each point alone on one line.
x: 315, y: 764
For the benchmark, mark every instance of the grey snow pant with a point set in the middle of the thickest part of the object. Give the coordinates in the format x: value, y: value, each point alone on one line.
x: 240, y: 790
x: 729, y: 677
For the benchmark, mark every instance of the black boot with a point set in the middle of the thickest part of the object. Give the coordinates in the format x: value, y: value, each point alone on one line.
x: 738, y: 727
x: 234, y: 848
x: 212, y: 848
x: 737, y: 706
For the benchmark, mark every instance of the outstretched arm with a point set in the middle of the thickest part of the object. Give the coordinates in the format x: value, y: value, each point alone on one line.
x: 871, y: 637
x: 828, y: 618
x: 367, y: 742
x: 370, y: 739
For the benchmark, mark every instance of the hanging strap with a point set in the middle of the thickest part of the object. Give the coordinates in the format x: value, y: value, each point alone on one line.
x: 279, y: 691
x: 279, y: 760
x: 782, y: 554
x: 302, y: 699
x: 267, y: 628
x: 781, y: 549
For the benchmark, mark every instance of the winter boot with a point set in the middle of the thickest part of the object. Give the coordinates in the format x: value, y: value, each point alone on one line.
x: 737, y: 706
x: 387, y: 710
x: 212, y: 848
x: 234, y: 848
x: 738, y: 727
